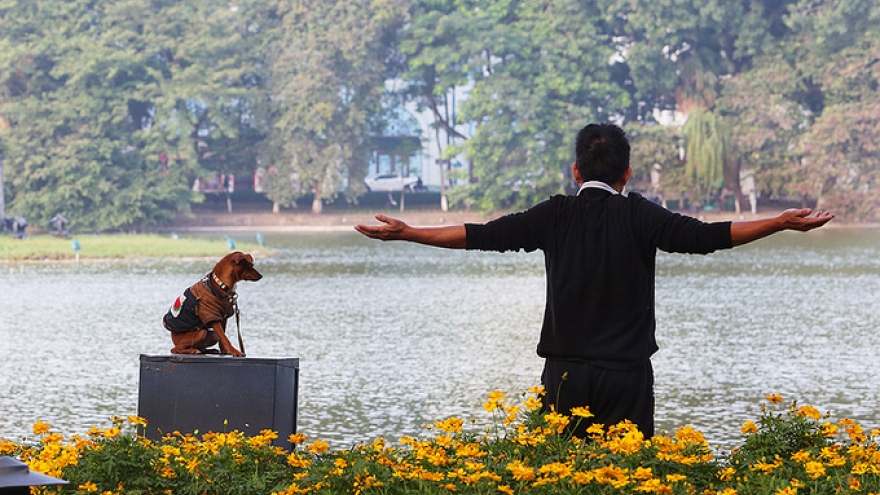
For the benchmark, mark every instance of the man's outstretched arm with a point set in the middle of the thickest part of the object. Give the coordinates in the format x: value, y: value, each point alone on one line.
x: 802, y: 220
x: 393, y: 229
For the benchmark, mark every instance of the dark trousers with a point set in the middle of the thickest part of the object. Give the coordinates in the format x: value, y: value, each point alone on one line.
x: 626, y: 392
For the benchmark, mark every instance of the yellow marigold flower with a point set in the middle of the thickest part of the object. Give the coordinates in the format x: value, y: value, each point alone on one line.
x: 319, y: 447
x: 675, y: 478
x: 654, y: 485
x: 537, y: 390
x: 809, y: 412
x: 557, y: 421
x: 582, y: 478
x: 814, y: 469
x: 630, y: 442
x: 505, y: 489
x: 449, y: 487
x: 749, y: 428
x: 829, y: 430
x: 727, y: 491
x: 767, y: 467
x: 855, y: 484
x: 558, y: 469
x: 88, y: 487
x: 800, y: 456
x: 111, y: 432
x: 853, y: 430
x: 7, y: 446
x: 53, y: 438
x: 41, y: 428
x: 520, y: 471
x: 340, y: 463
x: 774, y: 398
x: 298, y: 462
x: 596, y: 429
x: 137, y: 420
x: 471, y: 450
x: 192, y: 464
x: 788, y: 490
x: 796, y: 483
x: 689, y: 436
x: 451, y: 425
x: 495, y: 398
x: 726, y: 474
x: 581, y: 412
x: 611, y: 475
x: 643, y: 473
x: 533, y: 404
x: 297, y: 438
x: 860, y: 468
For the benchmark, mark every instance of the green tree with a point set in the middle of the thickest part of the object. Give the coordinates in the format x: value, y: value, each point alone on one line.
x: 681, y: 54
x: 539, y: 71
x: 838, y: 54
x: 656, y: 153
x: 440, y: 48
x: 766, y: 120
x: 327, y: 75
x: 107, y: 102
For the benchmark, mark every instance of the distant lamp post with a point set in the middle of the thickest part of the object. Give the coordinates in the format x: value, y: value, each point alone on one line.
x: 16, y: 478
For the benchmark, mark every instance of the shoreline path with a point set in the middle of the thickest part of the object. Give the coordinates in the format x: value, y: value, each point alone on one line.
x: 345, y: 221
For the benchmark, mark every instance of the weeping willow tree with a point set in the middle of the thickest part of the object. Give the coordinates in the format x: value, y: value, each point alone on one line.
x: 706, y: 149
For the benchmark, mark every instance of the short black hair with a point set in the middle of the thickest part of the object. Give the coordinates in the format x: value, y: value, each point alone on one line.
x: 602, y: 153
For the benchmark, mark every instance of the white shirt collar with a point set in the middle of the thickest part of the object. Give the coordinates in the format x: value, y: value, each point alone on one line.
x: 595, y: 184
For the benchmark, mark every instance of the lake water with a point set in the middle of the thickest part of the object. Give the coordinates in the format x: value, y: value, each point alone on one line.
x: 391, y: 336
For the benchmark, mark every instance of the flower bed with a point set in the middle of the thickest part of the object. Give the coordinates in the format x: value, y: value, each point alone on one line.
x: 788, y: 450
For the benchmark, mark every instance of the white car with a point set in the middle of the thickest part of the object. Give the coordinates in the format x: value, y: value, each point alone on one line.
x: 390, y: 182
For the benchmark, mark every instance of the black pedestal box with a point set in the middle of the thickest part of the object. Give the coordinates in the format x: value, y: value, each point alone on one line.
x: 218, y: 393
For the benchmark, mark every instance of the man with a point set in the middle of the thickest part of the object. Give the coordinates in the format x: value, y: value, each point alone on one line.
x: 599, y: 254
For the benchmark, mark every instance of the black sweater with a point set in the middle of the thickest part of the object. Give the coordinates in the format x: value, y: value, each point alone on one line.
x: 599, y: 254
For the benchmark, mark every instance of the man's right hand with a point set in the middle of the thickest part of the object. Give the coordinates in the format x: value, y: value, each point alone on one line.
x: 804, y: 219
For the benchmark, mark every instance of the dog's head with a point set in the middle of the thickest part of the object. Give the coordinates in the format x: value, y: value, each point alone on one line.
x: 235, y: 267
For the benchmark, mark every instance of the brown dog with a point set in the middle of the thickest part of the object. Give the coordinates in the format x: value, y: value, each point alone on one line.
x: 197, y: 319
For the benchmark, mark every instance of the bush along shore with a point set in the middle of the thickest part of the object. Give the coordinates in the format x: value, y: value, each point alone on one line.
x: 121, y: 247
x: 788, y: 450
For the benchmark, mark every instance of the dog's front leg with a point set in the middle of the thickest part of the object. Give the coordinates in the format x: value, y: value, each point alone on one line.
x: 226, y: 346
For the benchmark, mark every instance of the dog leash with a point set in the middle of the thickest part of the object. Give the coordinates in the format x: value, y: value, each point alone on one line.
x: 238, y: 325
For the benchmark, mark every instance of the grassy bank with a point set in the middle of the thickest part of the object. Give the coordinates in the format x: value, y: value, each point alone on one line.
x: 788, y: 450
x: 115, y: 246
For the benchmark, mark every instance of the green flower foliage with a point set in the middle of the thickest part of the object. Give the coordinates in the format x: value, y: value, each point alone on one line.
x: 529, y: 450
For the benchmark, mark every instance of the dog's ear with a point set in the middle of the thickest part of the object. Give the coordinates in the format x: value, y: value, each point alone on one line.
x: 238, y: 257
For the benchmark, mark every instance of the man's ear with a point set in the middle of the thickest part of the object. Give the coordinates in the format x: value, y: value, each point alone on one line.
x: 576, y: 174
x: 627, y: 174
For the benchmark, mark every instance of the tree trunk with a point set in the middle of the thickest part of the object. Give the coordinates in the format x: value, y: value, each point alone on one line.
x: 402, y: 199
x: 732, y: 182
x: 444, y: 203
x: 2, y: 197
x: 317, y: 204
